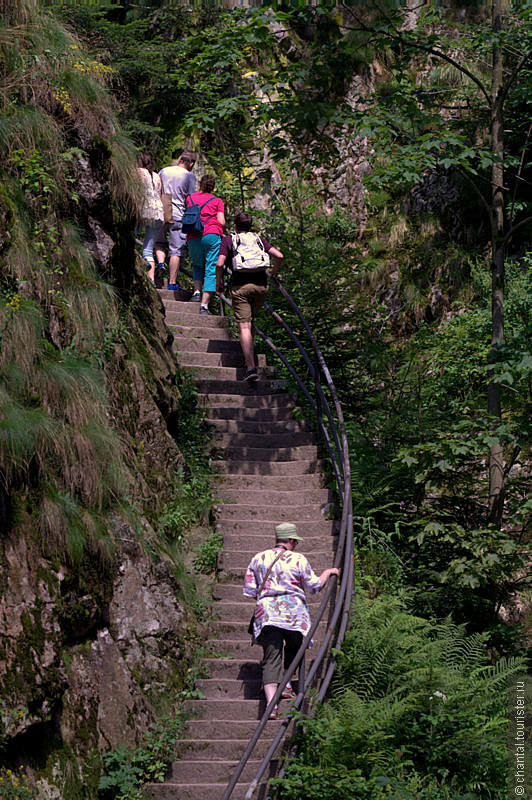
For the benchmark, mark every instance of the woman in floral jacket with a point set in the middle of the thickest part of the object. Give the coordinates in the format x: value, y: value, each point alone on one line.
x: 279, y: 578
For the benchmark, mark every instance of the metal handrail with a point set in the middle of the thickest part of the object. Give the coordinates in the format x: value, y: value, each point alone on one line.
x: 338, y: 597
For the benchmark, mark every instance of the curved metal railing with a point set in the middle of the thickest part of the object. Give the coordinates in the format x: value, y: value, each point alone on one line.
x: 337, y: 597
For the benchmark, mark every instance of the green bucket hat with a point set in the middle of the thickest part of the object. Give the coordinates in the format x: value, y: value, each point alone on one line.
x: 287, y: 530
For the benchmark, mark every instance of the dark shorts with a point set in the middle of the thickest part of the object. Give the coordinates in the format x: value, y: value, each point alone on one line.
x: 272, y: 640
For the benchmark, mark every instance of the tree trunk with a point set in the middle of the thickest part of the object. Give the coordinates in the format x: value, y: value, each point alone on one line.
x: 496, y: 461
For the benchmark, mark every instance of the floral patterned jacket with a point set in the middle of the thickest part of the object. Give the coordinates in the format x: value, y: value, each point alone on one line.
x: 282, y: 602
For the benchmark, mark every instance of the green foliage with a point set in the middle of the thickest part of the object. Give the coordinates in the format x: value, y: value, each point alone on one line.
x: 415, y: 701
x: 14, y: 785
x: 191, y: 503
x: 206, y: 557
x: 126, y: 771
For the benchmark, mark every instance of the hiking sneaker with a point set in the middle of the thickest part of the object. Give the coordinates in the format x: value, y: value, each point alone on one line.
x: 288, y: 692
x: 160, y: 268
x: 204, y: 310
x: 275, y: 713
x: 251, y: 374
x: 196, y: 298
x: 174, y: 287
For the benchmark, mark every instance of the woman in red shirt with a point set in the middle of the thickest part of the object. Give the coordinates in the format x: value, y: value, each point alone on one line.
x: 204, y: 248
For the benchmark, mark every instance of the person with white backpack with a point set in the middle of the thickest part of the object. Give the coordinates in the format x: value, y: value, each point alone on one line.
x: 246, y: 256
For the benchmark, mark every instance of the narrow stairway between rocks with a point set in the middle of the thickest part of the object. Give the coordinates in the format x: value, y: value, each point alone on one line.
x: 269, y: 472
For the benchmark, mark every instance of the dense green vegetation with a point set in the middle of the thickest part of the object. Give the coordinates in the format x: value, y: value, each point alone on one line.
x: 395, y: 276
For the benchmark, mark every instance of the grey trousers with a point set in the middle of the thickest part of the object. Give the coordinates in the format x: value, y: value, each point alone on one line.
x: 272, y: 640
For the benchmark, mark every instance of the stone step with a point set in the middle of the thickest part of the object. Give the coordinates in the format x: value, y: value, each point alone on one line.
x: 191, y: 333
x: 275, y: 483
x: 225, y: 374
x: 257, y: 542
x: 274, y: 497
x: 193, y: 358
x: 180, y: 297
x: 243, y: 730
x: 305, y: 528
x: 233, y: 387
x: 213, y: 688
x: 208, y: 345
x: 275, y: 413
x: 200, y: 791
x: 269, y: 441
x: 201, y: 749
x: 226, y: 709
x: 254, y: 427
x: 297, y: 453
x: 213, y: 771
x: 310, y: 511
x: 264, y: 468
x: 232, y: 668
x: 271, y: 403
x: 191, y: 318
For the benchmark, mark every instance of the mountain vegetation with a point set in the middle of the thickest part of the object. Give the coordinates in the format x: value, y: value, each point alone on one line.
x: 386, y: 151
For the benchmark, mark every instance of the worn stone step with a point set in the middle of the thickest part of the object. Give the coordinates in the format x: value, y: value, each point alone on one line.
x: 195, y: 333
x: 271, y: 427
x: 231, y: 668
x: 289, y: 483
x: 266, y: 454
x: 257, y: 542
x: 193, y: 358
x: 234, y: 387
x: 305, y: 528
x: 272, y: 403
x: 211, y: 730
x: 213, y: 688
x: 190, y: 317
x: 226, y: 709
x: 208, y: 345
x: 181, y: 297
x: 253, y: 511
x: 201, y: 749
x: 224, y: 374
x: 274, y: 497
x: 199, y: 791
x: 269, y: 441
x: 277, y: 412
x: 213, y: 771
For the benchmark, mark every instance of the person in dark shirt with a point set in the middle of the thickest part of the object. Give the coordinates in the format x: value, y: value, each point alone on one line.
x: 249, y: 286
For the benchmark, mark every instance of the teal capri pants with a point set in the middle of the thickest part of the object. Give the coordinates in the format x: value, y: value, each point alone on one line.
x: 204, y: 255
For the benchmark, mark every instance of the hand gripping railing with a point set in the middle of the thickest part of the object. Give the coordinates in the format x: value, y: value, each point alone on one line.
x: 337, y: 598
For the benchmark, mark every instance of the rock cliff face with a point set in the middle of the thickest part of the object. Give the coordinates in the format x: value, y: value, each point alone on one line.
x: 92, y: 650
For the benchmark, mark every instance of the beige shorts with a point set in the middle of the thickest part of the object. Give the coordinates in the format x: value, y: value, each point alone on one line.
x: 248, y: 301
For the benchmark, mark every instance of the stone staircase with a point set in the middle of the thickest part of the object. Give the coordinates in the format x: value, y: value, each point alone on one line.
x: 269, y: 472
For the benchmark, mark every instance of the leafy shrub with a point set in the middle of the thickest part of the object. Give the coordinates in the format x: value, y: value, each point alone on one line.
x: 415, y: 701
x: 126, y: 771
x: 206, y: 556
x: 14, y: 785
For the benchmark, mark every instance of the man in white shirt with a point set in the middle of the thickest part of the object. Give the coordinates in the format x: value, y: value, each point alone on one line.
x: 178, y: 181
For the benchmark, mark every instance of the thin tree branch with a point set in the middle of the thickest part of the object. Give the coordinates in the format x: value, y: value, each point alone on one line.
x: 418, y: 45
